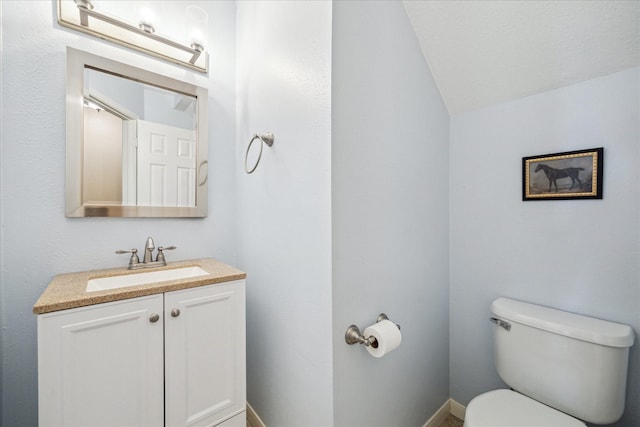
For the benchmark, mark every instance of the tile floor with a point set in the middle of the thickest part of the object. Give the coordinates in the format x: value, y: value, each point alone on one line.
x: 451, y: 421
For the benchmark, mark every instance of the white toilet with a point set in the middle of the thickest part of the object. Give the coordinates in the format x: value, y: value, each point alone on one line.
x: 562, y: 368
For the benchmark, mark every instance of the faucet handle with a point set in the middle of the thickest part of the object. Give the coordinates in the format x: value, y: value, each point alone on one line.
x: 160, y: 256
x: 134, y: 256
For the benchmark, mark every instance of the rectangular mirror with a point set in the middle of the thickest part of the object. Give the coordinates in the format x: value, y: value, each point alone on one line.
x: 136, y: 141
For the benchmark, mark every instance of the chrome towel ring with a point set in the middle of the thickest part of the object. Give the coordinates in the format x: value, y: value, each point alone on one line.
x: 206, y: 176
x: 266, y: 138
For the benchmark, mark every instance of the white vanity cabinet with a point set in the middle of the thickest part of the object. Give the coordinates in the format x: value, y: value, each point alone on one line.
x: 204, y: 351
x: 173, y: 359
x: 102, y: 365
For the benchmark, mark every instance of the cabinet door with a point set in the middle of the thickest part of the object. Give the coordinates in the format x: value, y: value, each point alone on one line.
x: 205, y: 354
x: 102, y: 365
x: 239, y: 420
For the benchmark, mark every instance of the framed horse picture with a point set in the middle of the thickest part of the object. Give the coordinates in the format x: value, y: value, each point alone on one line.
x: 562, y: 176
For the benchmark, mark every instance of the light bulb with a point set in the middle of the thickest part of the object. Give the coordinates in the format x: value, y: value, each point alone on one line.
x: 197, y: 40
x: 147, y: 20
x: 198, y: 20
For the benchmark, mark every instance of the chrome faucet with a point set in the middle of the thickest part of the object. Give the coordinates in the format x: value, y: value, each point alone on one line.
x: 148, y: 250
x: 147, y: 260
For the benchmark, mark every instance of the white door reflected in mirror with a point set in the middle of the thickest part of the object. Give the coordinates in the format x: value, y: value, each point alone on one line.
x: 139, y: 143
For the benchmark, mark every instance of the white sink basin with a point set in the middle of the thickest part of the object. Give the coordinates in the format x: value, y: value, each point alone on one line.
x: 144, y: 278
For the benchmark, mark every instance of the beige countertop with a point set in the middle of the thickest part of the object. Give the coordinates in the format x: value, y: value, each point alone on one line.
x: 69, y: 290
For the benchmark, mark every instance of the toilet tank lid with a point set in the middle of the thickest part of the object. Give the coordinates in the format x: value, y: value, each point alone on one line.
x: 564, y: 323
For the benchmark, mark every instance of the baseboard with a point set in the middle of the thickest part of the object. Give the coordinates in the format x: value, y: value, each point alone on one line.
x: 439, y: 417
x: 449, y: 407
x: 456, y: 409
x: 253, y: 418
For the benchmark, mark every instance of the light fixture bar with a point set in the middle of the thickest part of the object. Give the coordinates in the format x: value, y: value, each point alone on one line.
x: 127, y: 26
x: 193, y: 56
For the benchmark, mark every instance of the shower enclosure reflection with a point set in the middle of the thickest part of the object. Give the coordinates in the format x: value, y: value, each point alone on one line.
x: 136, y: 142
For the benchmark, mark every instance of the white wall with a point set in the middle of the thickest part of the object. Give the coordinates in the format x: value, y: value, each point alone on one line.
x: 2, y: 245
x: 37, y: 241
x: 390, y: 217
x: 284, y: 208
x: 388, y: 244
x: 581, y: 255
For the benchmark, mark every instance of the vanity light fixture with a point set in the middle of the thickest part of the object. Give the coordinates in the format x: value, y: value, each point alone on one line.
x: 197, y: 45
x: 198, y: 20
x: 82, y: 15
x: 147, y: 19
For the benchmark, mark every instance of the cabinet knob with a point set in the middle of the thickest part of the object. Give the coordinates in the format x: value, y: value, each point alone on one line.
x: 175, y: 312
x: 154, y: 318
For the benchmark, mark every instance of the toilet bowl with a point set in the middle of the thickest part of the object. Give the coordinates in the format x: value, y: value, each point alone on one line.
x: 564, y: 369
x: 508, y: 408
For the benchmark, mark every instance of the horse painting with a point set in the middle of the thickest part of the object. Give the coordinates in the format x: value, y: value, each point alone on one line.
x: 555, y: 174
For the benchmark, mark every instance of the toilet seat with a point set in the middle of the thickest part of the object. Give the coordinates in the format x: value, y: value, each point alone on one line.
x: 507, y: 408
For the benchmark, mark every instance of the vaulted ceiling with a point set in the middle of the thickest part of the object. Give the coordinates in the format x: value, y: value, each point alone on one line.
x: 485, y: 52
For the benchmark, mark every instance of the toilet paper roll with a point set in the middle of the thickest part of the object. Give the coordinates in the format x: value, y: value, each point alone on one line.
x: 387, y: 336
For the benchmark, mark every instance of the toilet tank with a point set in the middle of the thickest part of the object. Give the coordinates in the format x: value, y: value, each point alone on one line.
x: 574, y: 363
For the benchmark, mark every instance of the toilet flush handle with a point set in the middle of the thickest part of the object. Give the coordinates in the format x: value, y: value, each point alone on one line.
x: 501, y: 323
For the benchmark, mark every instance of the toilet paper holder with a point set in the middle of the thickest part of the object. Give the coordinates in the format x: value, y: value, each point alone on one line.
x: 353, y: 335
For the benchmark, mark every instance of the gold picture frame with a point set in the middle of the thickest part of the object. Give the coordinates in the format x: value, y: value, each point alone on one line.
x: 563, y: 176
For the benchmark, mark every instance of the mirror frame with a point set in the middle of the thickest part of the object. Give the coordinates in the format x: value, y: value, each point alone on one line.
x: 77, y: 60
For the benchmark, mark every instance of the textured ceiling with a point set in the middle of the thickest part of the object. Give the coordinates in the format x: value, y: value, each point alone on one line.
x: 485, y: 52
